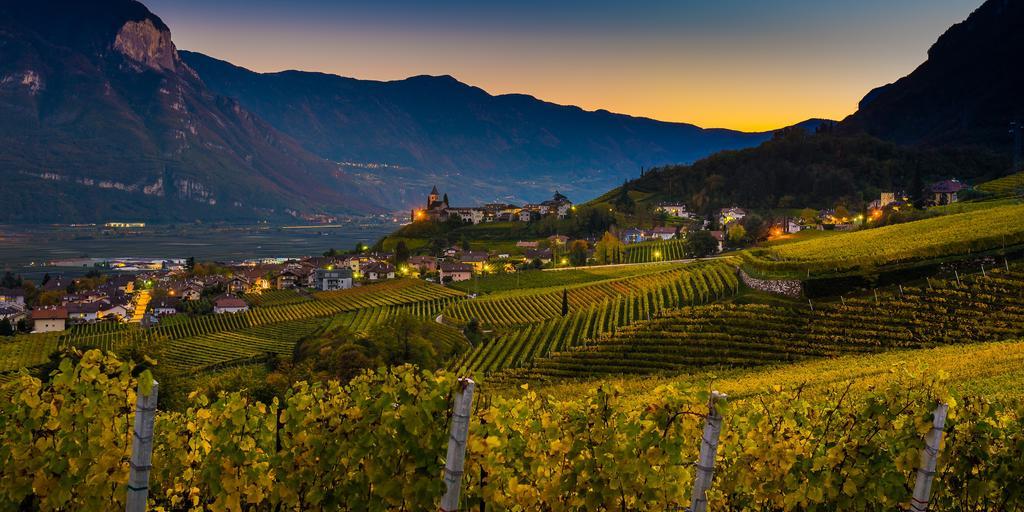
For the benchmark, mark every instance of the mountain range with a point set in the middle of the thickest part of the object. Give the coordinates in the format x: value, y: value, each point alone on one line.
x: 967, y: 92
x: 102, y: 117
x: 949, y: 118
x: 429, y: 129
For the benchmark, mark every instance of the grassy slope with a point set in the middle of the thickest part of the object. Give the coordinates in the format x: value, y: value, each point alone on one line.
x: 978, y: 229
x: 1009, y: 185
x: 545, y: 279
x: 991, y: 369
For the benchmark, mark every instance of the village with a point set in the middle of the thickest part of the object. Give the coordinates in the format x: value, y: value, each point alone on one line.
x: 147, y: 291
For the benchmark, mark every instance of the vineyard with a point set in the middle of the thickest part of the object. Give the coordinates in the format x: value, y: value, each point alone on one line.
x: 219, y: 349
x: 268, y: 298
x: 680, y: 285
x: 951, y: 235
x: 364, y: 306
x: 994, y: 369
x: 547, y: 279
x: 1010, y: 185
x: 379, y: 443
x: 647, y: 252
x: 978, y: 309
x: 522, y: 346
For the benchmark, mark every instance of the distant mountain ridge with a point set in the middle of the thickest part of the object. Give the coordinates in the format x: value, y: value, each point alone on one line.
x: 512, y: 146
x: 966, y: 93
x: 100, y: 119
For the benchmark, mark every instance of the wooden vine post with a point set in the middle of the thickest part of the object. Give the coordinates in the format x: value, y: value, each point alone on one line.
x: 929, y: 460
x: 708, y: 451
x: 142, y: 450
x: 456, y: 460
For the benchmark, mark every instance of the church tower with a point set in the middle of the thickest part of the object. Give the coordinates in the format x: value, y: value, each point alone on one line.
x: 432, y: 198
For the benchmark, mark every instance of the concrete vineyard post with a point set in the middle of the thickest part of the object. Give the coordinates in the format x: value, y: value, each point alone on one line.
x: 708, y: 451
x: 983, y: 274
x: 929, y: 460
x: 957, y: 274
x: 456, y: 459
x: 142, y: 450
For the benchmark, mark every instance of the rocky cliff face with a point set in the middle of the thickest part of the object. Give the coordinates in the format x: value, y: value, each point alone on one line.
x: 100, y: 118
x: 144, y: 43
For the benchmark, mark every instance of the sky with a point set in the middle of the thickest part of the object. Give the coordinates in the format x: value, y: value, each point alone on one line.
x: 743, y: 64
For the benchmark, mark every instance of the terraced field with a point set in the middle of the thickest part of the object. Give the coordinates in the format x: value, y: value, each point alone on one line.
x: 647, y: 252
x: 521, y: 346
x: 993, y: 370
x: 365, y: 305
x: 552, y: 278
x: 1010, y: 185
x: 27, y: 351
x: 980, y: 309
x: 939, y: 237
x: 220, y: 349
x: 269, y: 298
x: 685, y: 284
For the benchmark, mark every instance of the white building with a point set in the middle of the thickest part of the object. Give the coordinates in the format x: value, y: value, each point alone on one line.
x: 455, y: 272
x: 330, y: 280
x: 727, y: 216
x: 675, y: 210
x: 469, y: 215
x: 229, y: 304
x: 49, y: 319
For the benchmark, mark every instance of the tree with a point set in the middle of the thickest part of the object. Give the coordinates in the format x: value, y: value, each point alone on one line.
x: 755, y: 227
x: 24, y: 326
x: 10, y: 281
x: 446, y: 199
x: 6, y: 328
x: 473, y: 332
x: 46, y: 279
x: 565, y: 302
x: 808, y: 216
x: 401, y: 252
x: 737, y: 233
x: 610, y: 249
x: 842, y: 212
x: 701, y: 244
x: 578, y: 253
x: 624, y: 202
x: 464, y: 243
x: 190, y: 263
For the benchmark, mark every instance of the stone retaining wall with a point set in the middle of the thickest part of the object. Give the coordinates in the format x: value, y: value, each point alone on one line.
x: 778, y: 287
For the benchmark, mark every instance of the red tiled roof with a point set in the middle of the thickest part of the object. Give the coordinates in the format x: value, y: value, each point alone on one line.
x: 50, y: 314
x: 230, y: 302
x: 456, y: 267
